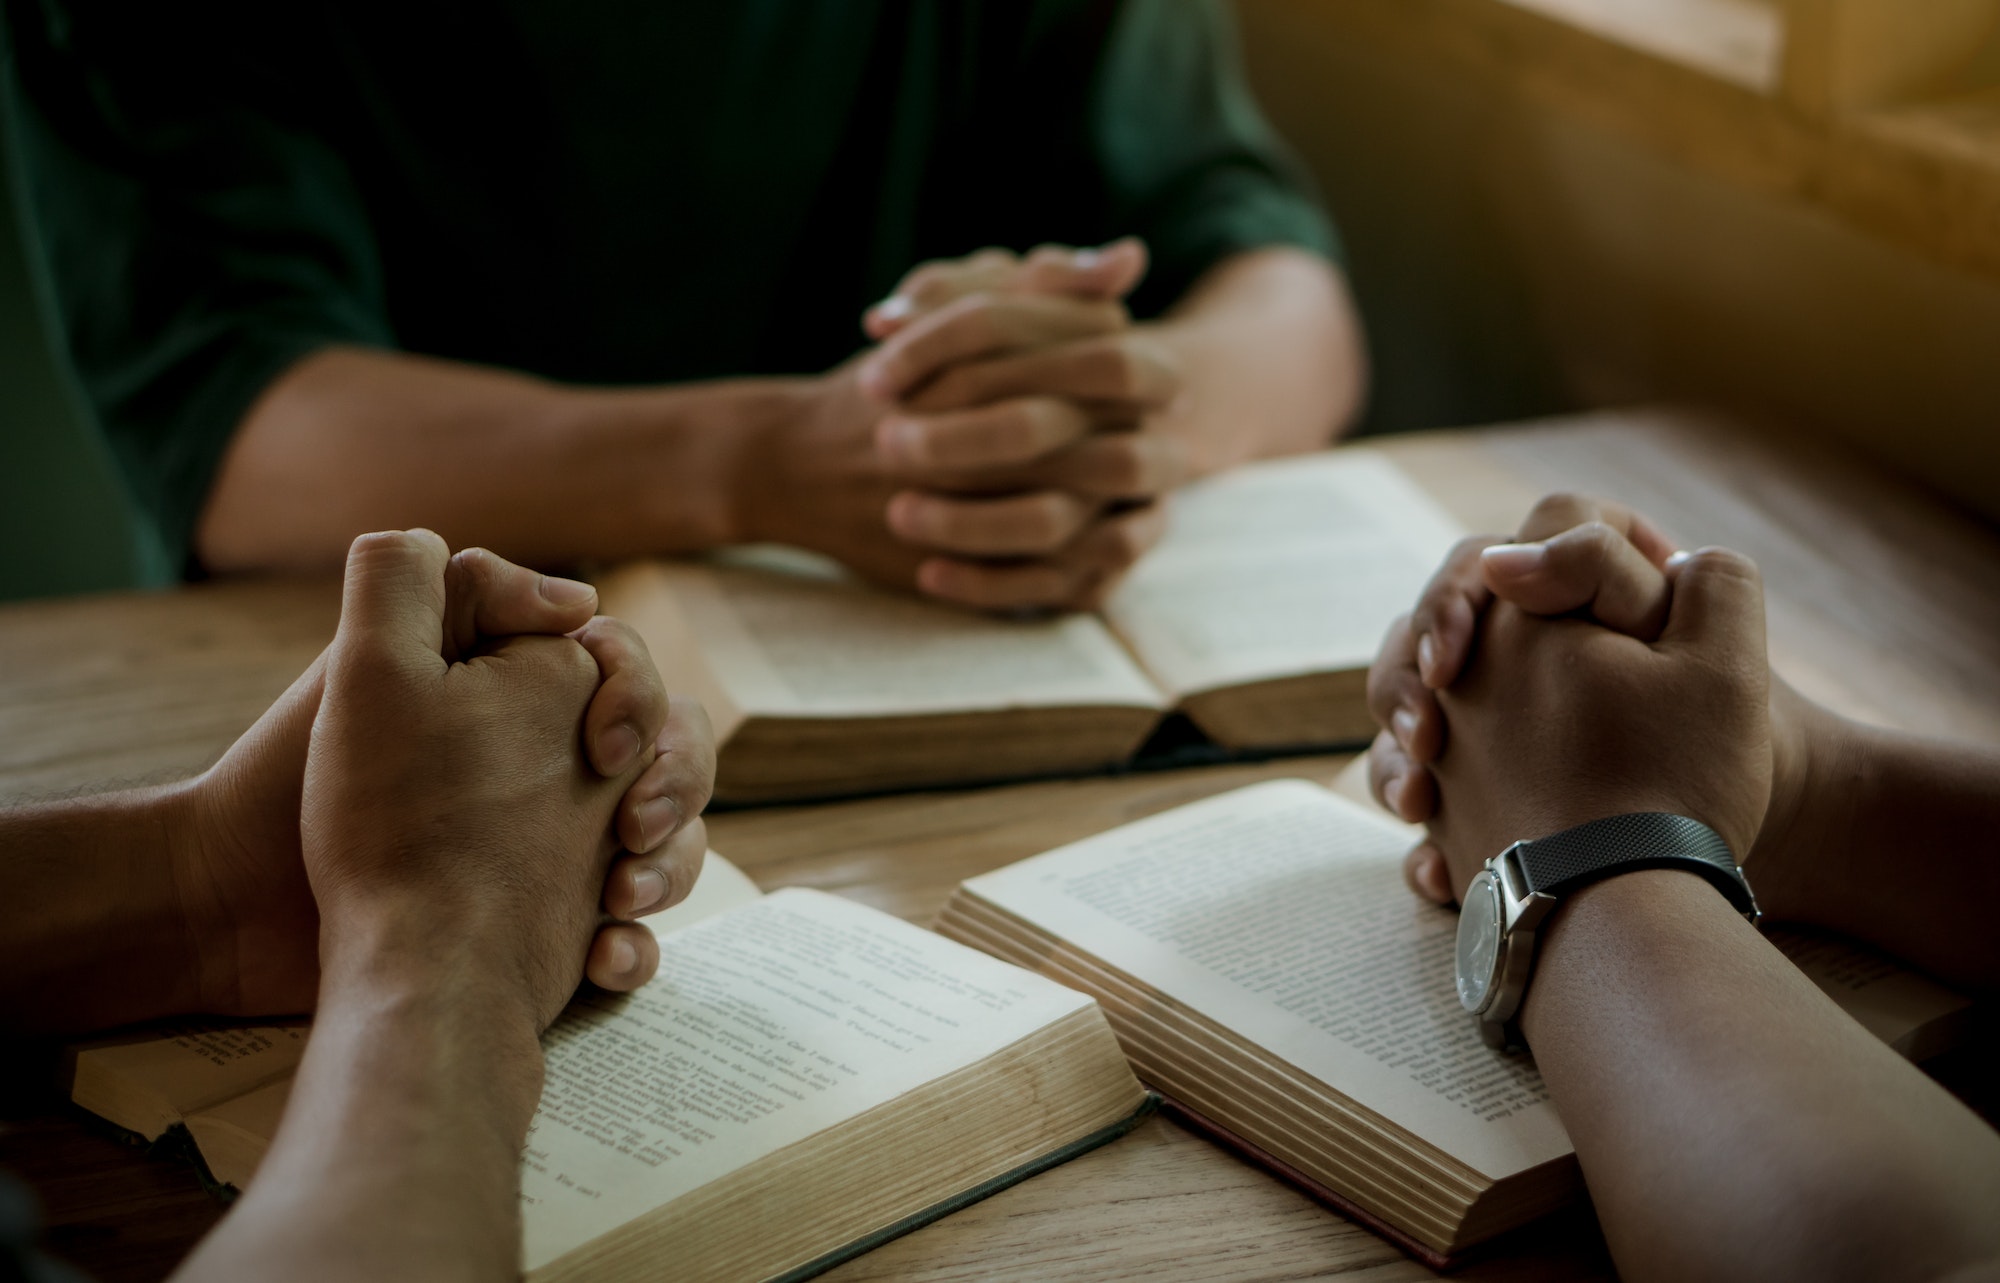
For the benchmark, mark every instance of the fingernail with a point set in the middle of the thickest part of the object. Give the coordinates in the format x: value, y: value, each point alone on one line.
x: 657, y: 818
x: 893, y: 308
x: 1427, y: 654
x: 1392, y: 793
x: 649, y: 887
x: 617, y: 747
x: 1087, y: 259
x: 1404, y: 723
x: 1516, y: 558
x: 1678, y: 560
x: 566, y: 592
x: 623, y: 956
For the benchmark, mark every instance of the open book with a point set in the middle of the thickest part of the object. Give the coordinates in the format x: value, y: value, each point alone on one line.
x: 1269, y: 974
x: 805, y: 1078
x: 1257, y: 617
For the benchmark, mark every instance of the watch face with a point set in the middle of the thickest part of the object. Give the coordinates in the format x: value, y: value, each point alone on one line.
x: 1478, y: 941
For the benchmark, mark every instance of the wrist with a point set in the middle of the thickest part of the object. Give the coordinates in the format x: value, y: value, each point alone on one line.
x: 673, y: 469
x: 1647, y: 918
x: 462, y: 1036
x: 1787, y: 861
x: 392, y: 946
x: 758, y: 503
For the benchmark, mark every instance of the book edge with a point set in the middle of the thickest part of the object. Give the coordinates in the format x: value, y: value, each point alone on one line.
x: 1256, y: 1155
x: 966, y: 1198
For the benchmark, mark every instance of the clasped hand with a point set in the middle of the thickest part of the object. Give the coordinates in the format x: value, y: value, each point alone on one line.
x: 996, y: 450
x: 477, y: 772
x: 1581, y: 670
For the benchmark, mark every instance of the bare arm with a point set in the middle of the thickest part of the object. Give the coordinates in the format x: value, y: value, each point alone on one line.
x: 91, y: 933
x: 1885, y: 837
x: 352, y: 440
x: 1272, y: 356
x: 1731, y: 1121
x: 399, y: 1153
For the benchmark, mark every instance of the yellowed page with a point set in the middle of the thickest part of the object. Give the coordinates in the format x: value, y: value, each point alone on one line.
x: 234, y: 1135
x: 1279, y: 912
x: 188, y: 1068
x: 721, y: 887
x: 789, y: 635
x: 1280, y: 569
x: 765, y: 1025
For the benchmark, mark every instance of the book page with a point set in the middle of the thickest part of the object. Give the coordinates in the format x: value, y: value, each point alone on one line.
x: 790, y: 635
x: 721, y: 887
x: 185, y: 1067
x: 1280, y: 569
x: 1279, y: 912
x: 765, y: 1025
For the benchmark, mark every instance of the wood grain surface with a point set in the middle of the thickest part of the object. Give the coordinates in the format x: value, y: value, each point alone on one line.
x: 1882, y: 602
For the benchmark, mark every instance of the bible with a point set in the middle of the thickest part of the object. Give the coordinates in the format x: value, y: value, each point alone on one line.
x: 805, y: 1078
x: 1256, y: 618
x: 1268, y: 973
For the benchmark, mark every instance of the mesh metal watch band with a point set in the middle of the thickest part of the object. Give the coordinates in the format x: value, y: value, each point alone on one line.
x: 1562, y: 862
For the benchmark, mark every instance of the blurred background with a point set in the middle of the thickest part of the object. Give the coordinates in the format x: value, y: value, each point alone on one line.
x: 1789, y: 207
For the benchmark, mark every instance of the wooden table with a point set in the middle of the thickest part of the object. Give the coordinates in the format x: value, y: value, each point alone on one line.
x: 1880, y: 602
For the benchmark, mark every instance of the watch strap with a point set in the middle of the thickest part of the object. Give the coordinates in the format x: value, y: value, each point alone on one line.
x: 1563, y: 862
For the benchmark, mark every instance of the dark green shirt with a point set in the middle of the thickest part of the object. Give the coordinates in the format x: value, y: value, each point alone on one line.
x: 602, y: 191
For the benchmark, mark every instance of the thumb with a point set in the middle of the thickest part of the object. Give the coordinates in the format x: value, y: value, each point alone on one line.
x: 1108, y: 272
x: 1718, y: 602
x: 392, y: 602
x: 1593, y: 567
x: 486, y: 596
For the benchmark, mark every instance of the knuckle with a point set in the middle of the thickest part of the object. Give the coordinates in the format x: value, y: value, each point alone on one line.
x: 1726, y: 562
x: 1557, y: 512
x: 478, y: 564
x: 1018, y: 430
x: 1467, y: 550
x: 393, y: 544
x: 1561, y: 503
x: 578, y: 665
x: 1046, y: 519
x: 1124, y: 542
x: 1119, y: 370
x: 1592, y: 543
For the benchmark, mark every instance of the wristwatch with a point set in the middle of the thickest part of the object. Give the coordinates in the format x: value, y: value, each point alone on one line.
x: 1518, y: 889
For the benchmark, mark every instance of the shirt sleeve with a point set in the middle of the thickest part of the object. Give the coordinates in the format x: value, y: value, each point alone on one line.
x: 189, y: 246
x: 1188, y: 160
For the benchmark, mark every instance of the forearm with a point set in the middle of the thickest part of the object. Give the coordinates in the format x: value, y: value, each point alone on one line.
x: 1731, y: 1122
x: 1273, y: 357
x: 90, y: 929
x: 1889, y: 838
x: 399, y: 1152
x: 350, y: 441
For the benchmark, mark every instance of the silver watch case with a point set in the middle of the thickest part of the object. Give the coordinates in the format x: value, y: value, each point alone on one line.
x: 1497, y: 923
